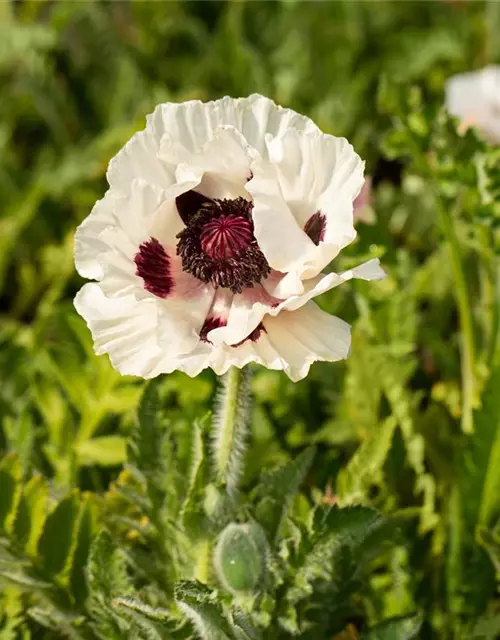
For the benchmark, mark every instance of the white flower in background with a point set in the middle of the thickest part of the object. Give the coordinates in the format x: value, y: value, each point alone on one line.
x: 475, y: 99
x: 208, y: 246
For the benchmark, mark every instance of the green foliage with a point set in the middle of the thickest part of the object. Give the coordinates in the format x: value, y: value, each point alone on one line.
x: 44, y: 548
x: 398, y: 629
x: 375, y: 483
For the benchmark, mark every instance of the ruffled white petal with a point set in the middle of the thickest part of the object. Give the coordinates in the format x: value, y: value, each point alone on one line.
x: 139, y: 159
x: 307, y: 173
x: 139, y: 336
x: 305, y: 336
x: 224, y: 160
x: 247, y: 310
x: 291, y: 342
x: 189, y: 125
x: 282, y: 241
x: 123, y: 219
x: 89, y: 244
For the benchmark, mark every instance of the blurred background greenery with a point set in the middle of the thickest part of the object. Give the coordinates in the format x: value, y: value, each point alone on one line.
x: 77, y: 79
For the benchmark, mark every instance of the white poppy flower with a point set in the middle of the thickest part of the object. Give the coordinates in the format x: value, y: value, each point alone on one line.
x: 475, y: 99
x: 208, y: 246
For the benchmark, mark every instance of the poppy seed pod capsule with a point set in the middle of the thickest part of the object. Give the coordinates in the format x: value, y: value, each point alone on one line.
x: 240, y: 557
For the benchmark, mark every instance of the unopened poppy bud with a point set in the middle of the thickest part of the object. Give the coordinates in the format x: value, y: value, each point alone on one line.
x: 240, y: 557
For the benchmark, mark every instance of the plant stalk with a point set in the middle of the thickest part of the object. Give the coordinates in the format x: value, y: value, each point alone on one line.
x: 467, y: 342
x: 230, y: 425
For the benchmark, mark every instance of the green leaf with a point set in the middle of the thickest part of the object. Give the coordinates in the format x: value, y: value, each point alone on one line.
x: 403, y: 628
x: 104, y: 451
x: 142, y: 608
x: 25, y: 580
x: 10, y: 491
x: 57, y: 542
x: 197, y: 604
x: 32, y: 513
x: 401, y: 403
x: 87, y: 526
x: 107, y: 579
x: 11, y: 612
x: 107, y: 570
x: 149, y: 621
x: 343, y: 538
x: 277, y: 489
x: 483, y: 478
x: 486, y: 628
x: 192, y: 512
x: 8, y: 488
x: 366, y: 463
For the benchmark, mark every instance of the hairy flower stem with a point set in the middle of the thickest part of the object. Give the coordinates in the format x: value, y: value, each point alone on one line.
x: 203, y: 554
x: 230, y: 426
x: 467, y: 343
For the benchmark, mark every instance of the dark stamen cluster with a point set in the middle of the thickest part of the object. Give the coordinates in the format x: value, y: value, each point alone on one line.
x: 218, y: 245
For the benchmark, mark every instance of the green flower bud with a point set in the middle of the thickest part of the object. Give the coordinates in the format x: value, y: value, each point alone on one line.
x: 240, y: 557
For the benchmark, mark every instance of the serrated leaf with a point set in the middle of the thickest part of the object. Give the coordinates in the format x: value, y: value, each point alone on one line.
x: 12, y: 609
x: 24, y: 580
x: 206, y: 618
x: 352, y: 523
x: 277, y: 489
x: 193, y: 590
x: 401, y: 405
x: 104, y: 451
x: 32, y: 514
x: 107, y: 579
x: 107, y: 570
x: 151, y: 622
x: 59, y: 621
x: 10, y: 491
x: 365, y: 464
x: 142, y: 608
x: 57, y: 542
x: 8, y: 488
x: 403, y: 628
x: 482, y: 485
x: 86, y: 530
x: 344, y: 538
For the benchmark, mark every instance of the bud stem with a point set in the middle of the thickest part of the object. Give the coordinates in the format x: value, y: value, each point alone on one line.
x: 230, y: 426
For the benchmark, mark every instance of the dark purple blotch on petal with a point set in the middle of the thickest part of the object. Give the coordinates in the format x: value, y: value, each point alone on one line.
x: 153, y: 266
x: 189, y: 203
x: 210, y: 323
x: 315, y: 227
x: 253, y: 336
